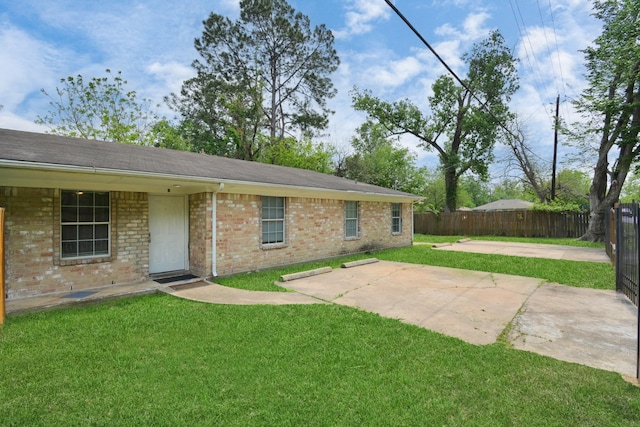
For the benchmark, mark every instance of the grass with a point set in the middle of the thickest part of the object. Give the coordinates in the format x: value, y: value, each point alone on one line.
x: 566, y: 272
x: 580, y: 274
x: 159, y: 360
x: 264, y: 280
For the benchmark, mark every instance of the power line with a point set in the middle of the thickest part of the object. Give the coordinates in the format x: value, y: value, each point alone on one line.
x: 453, y: 73
x: 547, y: 44
x: 555, y: 37
x: 526, y: 40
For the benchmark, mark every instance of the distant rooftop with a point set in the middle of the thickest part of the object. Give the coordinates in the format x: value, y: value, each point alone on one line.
x: 505, y: 205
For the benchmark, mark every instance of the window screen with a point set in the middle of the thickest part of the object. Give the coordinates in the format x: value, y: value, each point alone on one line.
x: 272, y: 220
x: 85, y: 223
x: 351, y: 219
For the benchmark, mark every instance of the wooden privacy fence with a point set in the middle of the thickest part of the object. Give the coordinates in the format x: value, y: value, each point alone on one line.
x: 523, y: 223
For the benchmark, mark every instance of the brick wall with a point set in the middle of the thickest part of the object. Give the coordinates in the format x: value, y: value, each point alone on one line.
x: 314, y: 229
x: 32, y: 244
x: 200, y: 232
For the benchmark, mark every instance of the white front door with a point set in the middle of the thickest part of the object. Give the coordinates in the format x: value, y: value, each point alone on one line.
x: 168, y: 233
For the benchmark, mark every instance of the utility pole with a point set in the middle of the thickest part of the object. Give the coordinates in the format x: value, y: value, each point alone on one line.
x: 555, y: 148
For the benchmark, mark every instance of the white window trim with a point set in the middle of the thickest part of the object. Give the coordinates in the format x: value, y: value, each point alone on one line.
x: 399, y: 218
x: 356, y: 219
x: 108, y: 223
x: 283, y: 220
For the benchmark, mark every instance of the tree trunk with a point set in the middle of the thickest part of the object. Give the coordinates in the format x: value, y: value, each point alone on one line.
x: 596, y: 230
x: 601, y: 199
x: 451, y: 190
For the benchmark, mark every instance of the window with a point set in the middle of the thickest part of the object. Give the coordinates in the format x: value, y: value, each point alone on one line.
x: 272, y: 220
x: 396, y: 218
x: 85, y: 221
x: 351, y: 219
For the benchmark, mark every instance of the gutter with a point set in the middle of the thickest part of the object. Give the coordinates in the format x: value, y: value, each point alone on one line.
x: 214, y: 232
x: 92, y: 170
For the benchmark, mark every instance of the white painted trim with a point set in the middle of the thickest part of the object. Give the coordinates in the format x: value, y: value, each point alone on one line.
x: 412, y: 225
x: 214, y: 231
x: 187, y: 261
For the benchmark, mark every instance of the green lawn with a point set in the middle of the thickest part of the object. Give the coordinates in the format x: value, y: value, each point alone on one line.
x: 160, y: 360
x: 572, y: 273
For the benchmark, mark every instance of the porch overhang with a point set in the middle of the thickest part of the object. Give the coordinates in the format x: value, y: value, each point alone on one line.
x: 44, y: 175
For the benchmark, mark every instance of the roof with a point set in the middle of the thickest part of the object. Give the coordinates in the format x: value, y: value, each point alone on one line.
x: 36, y: 151
x: 505, y: 205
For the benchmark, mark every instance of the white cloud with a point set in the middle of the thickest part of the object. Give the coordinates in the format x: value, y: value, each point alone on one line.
x: 451, y: 53
x: 473, y: 28
x: 535, y: 42
x: 166, y: 78
x: 394, y: 73
x: 552, y: 64
x: 170, y: 74
x: 27, y: 63
x: 360, y: 16
x: 10, y: 120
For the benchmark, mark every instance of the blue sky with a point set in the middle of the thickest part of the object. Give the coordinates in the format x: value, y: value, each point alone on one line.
x: 151, y: 42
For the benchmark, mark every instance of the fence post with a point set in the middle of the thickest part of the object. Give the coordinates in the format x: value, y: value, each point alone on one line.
x: 611, y: 244
x: 3, y: 310
x: 619, y: 248
x: 636, y: 254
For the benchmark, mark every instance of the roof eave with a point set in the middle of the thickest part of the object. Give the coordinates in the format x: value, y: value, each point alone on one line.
x: 47, y: 175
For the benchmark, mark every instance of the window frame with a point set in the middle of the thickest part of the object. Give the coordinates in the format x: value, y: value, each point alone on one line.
x: 396, y: 220
x: 348, y: 219
x: 267, y: 221
x: 96, y: 224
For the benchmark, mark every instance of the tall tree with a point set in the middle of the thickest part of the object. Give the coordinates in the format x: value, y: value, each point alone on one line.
x: 573, y: 187
x: 508, y: 189
x: 167, y: 135
x: 264, y: 74
x: 381, y: 161
x: 464, y: 120
x: 631, y: 190
x: 524, y: 160
x: 611, y: 105
x: 102, y: 108
x: 299, y: 154
x: 473, y: 192
x: 434, y: 192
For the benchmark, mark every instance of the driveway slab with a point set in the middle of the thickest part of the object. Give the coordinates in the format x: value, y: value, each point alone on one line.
x: 216, y: 294
x: 471, y: 305
x: 592, y: 327
x: 534, y: 250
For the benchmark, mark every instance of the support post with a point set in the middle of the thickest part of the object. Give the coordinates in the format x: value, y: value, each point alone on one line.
x: 555, y: 149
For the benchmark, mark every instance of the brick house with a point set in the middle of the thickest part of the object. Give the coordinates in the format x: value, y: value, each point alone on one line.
x: 83, y: 213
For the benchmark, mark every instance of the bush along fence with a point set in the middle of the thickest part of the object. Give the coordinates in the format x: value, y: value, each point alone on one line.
x: 623, y: 243
x: 521, y: 223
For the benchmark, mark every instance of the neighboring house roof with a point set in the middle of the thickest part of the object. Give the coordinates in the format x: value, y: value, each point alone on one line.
x: 22, y: 154
x: 505, y: 205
